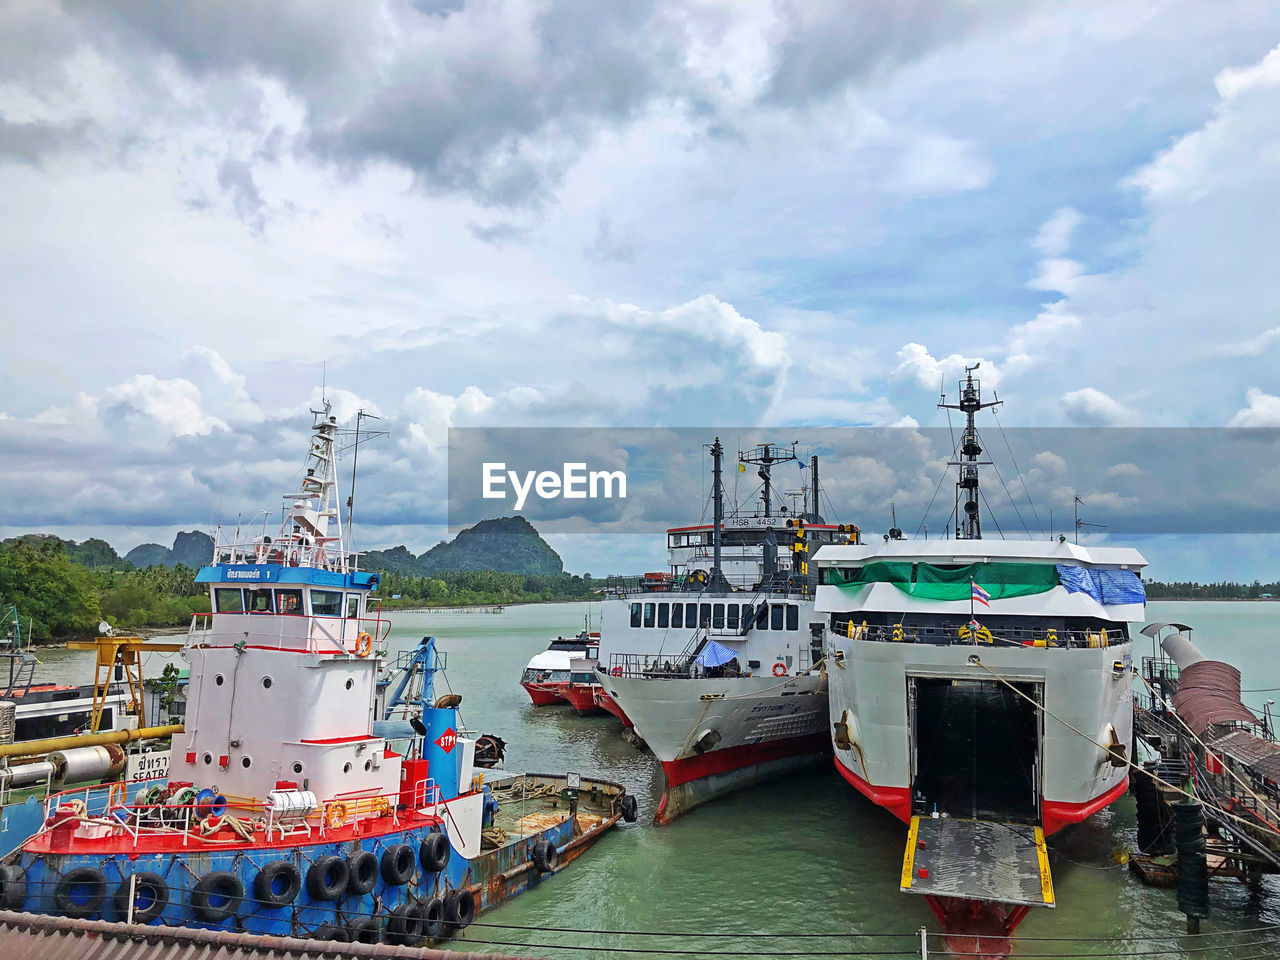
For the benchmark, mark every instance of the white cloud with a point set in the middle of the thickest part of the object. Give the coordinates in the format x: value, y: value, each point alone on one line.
x: 1124, y: 470
x: 1263, y: 410
x: 1054, y: 238
x: 1030, y: 342
x: 1234, y: 81
x: 915, y: 363
x: 1049, y: 463
x: 1252, y: 347
x: 1091, y: 407
x: 174, y: 404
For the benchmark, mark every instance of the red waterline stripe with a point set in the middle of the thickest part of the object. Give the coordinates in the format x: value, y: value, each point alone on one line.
x: 329, y: 740
x: 897, y: 800
x: 1059, y: 814
x: 735, y: 758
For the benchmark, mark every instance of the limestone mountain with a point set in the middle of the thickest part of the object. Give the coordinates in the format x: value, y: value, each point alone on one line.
x: 505, y: 545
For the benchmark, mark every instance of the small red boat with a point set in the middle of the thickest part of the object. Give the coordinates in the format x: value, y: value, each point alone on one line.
x: 583, y: 684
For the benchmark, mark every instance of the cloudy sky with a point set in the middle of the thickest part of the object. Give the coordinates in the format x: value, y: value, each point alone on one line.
x: 627, y: 214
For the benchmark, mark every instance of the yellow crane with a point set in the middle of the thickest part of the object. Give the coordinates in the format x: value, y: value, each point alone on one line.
x: 125, y: 653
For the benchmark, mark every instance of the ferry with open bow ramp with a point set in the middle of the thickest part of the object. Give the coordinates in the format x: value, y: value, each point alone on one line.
x: 310, y: 794
x: 715, y: 663
x: 982, y: 692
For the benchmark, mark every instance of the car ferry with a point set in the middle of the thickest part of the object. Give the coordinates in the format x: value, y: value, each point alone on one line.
x: 306, y: 798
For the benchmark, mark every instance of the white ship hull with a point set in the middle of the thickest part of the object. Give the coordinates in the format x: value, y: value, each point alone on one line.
x: 713, y: 736
x: 871, y: 692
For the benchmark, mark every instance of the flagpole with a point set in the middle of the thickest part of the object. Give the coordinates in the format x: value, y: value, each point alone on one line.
x: 972, y: 618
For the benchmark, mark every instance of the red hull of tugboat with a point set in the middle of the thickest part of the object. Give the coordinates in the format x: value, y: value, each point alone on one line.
x: 610, y: 705
x: 545, y: 694
x: 581, y: 697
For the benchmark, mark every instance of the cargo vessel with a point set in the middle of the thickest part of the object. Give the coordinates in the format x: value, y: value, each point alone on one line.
x: 714, y: 662
x: 980, y: 691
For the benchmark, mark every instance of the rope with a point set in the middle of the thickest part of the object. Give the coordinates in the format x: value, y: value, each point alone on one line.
x: 1014, y: 461
x: 1106, y: 748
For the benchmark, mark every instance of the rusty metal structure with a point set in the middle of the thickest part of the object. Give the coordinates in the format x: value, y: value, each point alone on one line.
x: 29, y: 936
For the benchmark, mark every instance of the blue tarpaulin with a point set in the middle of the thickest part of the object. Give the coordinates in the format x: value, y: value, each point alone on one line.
x: 1108, y: 587
x: 715, y: 654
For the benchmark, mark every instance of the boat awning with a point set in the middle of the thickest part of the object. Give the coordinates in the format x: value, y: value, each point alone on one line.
x: 715, y: 655
x: 977, y: 860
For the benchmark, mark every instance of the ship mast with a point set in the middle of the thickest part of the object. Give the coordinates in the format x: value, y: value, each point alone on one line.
x: 968, y: 520
x: 765, y: 455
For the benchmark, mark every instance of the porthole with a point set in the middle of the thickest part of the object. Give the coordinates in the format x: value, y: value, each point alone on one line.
x: 246, y: 762
x: 350, y: 683
x: 297, y: 767
x: 346, y: 768
x: 218, y: 679
x: 368, y: 765
x: 208, y: 759
x: 266, y: 683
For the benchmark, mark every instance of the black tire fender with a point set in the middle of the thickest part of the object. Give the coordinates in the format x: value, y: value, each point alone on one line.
x: 327, y: 878
x: 459, y: 908
x: 277, y: 884
x: 405, y: 926
x: 366, y: 930
x: 628, y: 807
x: 150, y: 897
x: 433, y: 918
x: 397, y: 864
x: 434, y: 852
x: 80, y: 892
x: 13, y: 886
x: 217, y: 895
x: 362, y: 872
x: 331, y: 934
x: 544, y: 856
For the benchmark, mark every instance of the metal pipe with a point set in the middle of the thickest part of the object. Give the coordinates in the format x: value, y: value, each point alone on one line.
x: 32, y: 747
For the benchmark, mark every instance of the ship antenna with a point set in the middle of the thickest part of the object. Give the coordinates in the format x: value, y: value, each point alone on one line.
x: 969, y: 527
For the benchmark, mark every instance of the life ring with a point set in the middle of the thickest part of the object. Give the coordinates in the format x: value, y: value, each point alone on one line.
x: 336, y: 815
x: 364, y: 645
x: 779, y: 669
x: 615, y: 672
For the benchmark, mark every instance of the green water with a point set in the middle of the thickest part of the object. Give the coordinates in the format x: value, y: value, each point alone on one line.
x: 805, y: 855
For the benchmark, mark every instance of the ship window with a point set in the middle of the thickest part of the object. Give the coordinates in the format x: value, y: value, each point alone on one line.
x: 635, y: 614
x: 793, y: 617
x: 297, y: 767
x: 691, y: 615
x: 346, y: 768
x: 731, y: 618
x: 353, y: 606
x: 677, y: 615
x: 289, y: 601
x: 217, y: 679
x: 350, y: 683
x: 246, y: 762
x: 368, y: 765
x: 326, y: 603
x: 717, y: 616
x: 747, y: 613
x: 259, y: 601
x: 664, y: 610
x: 775, y: 616
x: 648, y: 614
x: 704, y: 614
x: 208, y: 759
x: 762, y: 617
x: 266, y: 683
x: 229, y: 600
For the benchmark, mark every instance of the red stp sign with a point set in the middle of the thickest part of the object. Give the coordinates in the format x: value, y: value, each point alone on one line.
x: 447, y: 740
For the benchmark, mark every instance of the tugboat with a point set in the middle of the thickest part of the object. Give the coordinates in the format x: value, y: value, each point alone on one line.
x: 288, y: 810
x: 546, y: 677
x: 982, y: 692
x: 715, y: 663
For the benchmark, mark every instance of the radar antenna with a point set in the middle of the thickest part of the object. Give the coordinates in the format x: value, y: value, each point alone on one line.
x: 765, y: 455
x: 968, y: 519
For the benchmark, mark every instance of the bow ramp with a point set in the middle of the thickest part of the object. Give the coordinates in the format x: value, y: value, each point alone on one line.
x: 977, y: 860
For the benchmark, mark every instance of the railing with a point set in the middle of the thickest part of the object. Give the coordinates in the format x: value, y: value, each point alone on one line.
x: 648, y: 667
x: 955, y: 633
x: 779, y: 585
x: 314, y: 631
x: 287, y: 552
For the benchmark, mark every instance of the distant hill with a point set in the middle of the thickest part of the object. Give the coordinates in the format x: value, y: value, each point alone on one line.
x: 94, y: 553
x: 505, y: 545
x: 191, y: 548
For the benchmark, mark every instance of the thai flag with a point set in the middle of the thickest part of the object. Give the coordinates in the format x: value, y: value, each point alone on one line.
x: 980, y: 595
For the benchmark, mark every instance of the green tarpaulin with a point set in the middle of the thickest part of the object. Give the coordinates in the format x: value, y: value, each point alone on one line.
x: 930, y: 582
